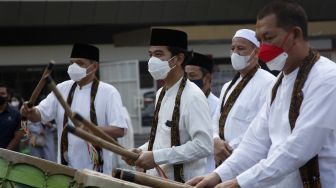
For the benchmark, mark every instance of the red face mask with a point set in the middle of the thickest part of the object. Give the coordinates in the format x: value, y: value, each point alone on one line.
x: 268, y: 52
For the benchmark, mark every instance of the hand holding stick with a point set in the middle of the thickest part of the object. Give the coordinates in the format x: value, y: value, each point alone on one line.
x: 28, y: 105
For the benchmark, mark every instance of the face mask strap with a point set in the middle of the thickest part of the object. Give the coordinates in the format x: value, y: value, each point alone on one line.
x: 285, y: 40
x: 253, y: 52
x: 250, y: 56
x: 172, y: 58
x: 88, y: 68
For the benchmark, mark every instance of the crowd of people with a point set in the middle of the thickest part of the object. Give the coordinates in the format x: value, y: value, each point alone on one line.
x: 37, y: 139
x: 264, y: 130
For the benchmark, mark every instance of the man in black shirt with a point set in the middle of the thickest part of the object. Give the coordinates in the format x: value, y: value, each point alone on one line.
x: 10, y: 118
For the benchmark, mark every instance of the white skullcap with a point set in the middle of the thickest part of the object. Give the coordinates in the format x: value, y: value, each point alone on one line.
x: 247, y: 34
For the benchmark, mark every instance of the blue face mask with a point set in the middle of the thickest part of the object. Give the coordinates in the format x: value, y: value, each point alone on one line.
x: 198, y: 82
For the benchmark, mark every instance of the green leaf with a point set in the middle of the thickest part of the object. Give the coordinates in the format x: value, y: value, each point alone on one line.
x: 27, y: 175
x: 3, y: 167
x: 58, y: 181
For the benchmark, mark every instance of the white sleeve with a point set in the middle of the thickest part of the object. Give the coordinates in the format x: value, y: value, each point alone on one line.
x: 198, y: 124
x: 236, y: 141
x: 114, y: 111
x: 254, y: 146
x: 317, y: 120
x: 48, y: 108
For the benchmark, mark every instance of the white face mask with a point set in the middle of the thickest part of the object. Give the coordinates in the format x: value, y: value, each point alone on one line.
x: 76, y: 72
x: 240, y: 62
x: 158, y: 69
x: 278, y: 63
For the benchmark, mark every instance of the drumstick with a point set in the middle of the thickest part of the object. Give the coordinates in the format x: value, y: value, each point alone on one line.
x: 145, y: 179
x: 94, y: 129
x: 40, y: 84
x: 53, y: 88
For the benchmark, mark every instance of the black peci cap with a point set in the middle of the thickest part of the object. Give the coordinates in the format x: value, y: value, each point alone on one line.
x: 169, y: 37
x: 201, y: 60
x: 86, y: 51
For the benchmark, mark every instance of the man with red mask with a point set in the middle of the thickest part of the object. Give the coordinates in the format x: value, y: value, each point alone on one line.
x: 292, y: 141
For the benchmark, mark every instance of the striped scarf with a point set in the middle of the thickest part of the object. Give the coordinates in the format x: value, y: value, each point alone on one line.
x: 226, y: 108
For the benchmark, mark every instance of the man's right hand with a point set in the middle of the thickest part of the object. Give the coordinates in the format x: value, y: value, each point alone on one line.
x: 210, y: 180
x: 222, y: 150
x: 31, y: 114
x: 131, y: 162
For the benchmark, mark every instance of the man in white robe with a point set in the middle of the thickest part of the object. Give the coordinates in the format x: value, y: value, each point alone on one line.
x: 168, y: 53
x: 199, y: 70
x: 272, y: 153
x: 107, y: 103
x: 244, y: 50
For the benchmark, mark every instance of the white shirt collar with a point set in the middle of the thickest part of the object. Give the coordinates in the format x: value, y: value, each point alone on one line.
x: 174, y: 88
x: 291, y: 75
x: 85, y: 87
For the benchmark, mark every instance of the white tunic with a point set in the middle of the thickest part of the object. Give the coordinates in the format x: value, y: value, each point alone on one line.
x: 195, y: 133
x: 282, y: 152
x: 246, y: 107
x: 213, y: 102
x: 108, y: 107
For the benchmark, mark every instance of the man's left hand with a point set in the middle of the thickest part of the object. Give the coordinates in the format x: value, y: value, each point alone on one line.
x: 145, y: 160
x: 233, y: 183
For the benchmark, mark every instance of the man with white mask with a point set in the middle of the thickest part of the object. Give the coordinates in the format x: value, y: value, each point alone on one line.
x: 180, y: 137
x: 292, y: 141
x: 242, y: 98
x: 94, y: 100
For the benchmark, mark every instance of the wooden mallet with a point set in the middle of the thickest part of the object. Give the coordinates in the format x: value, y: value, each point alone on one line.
x: 40, y: 84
